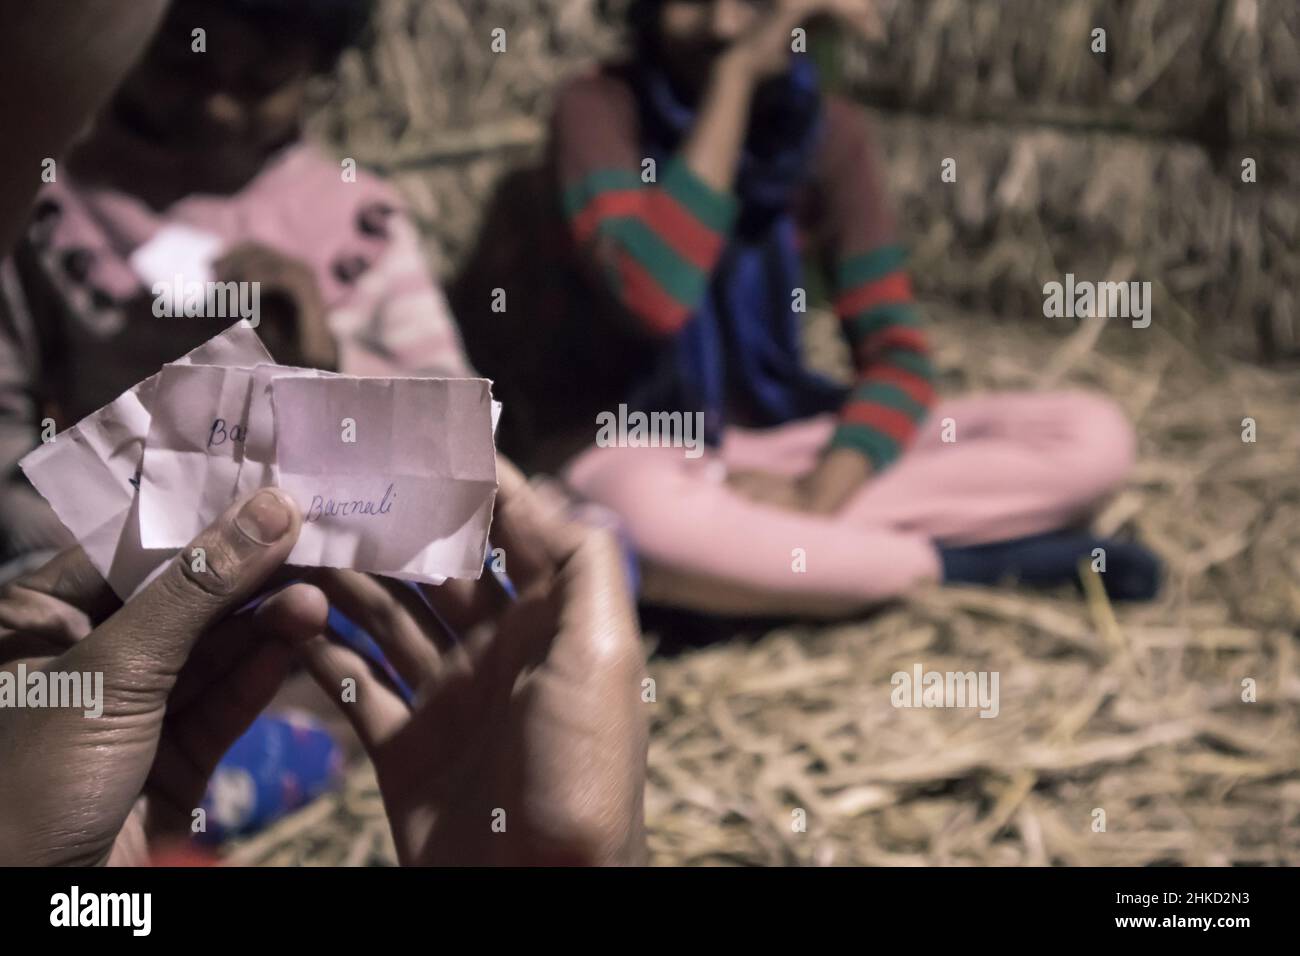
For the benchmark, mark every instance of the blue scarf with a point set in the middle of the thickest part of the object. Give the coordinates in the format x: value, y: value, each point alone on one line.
x: 741, y: 348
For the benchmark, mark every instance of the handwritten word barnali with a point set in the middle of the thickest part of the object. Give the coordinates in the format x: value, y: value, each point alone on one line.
x: 221, y: 433
x: 212, y: 300
x: 75, y: 690
x: 1085, y: 300
x: 651, y: 430
x: 133, y: 910
x: 946, y: 689
x: 330, y: 508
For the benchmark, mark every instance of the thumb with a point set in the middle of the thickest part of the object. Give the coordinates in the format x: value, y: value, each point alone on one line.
x: 142, y: 647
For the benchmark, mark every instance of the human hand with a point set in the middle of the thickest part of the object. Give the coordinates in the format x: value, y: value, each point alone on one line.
x: 822, y: 491
x: 180, y: 682
x: 526, y: 740
x: 830, y: 485
x: 768, y: 488
x: 766, y: 49
x: 860, y: 16
x: 293, y: 319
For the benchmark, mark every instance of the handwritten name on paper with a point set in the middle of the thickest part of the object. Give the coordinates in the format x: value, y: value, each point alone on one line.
x: 329, y: 508
x: 410, y: 497
x: 111, y: 518
x: 221, y: 433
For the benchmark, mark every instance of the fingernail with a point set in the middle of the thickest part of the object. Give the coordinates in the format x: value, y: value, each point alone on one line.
x: 265, y: 517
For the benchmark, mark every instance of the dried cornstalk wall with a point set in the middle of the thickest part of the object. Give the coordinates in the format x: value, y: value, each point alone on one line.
x: 1122, y: 165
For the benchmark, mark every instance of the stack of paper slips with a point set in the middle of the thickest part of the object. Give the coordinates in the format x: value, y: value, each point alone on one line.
x: 394, y: 476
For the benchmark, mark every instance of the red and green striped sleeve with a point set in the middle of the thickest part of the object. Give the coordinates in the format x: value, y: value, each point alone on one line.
x: 894, y: 387
x: 656, y: 243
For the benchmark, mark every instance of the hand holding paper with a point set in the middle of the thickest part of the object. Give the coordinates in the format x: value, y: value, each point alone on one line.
x: 393, y: 476
x: 90, y: 472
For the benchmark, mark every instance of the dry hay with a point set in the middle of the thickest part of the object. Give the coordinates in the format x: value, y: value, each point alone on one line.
x: 1204, y: 69
x: 1136, y: 711
x: 430, y: 88
x: 431, y: 105
x: 1031, y: 204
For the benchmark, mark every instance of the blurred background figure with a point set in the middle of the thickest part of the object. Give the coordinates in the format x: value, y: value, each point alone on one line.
x: 707, y: 187
x: 198, y: 170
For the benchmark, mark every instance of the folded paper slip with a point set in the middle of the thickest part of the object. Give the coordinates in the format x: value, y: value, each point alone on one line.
x: 211, y: 441
x: 89, y: 473
x: 193, y: 452
x: 418, y: 450
x: 393, y: 476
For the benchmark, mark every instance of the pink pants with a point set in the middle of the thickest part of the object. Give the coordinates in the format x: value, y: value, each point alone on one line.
x: 1021, y: 463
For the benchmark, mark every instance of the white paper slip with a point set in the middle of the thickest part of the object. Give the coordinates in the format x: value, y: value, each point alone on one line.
x: 193, y: 452
x: 211, y: 441
x: 393, y: 476
x: 257, y: 467
x: 89, y: 473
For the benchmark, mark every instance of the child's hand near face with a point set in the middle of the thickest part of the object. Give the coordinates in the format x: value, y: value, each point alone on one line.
x: 765, y: 49
x: 292, y: 315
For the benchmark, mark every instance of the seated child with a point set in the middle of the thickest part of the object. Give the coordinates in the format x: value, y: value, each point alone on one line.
x: 201, y: 154
x: 693, y: 182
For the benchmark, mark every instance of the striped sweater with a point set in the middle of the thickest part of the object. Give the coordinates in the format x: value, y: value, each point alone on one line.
x: 656, y: 245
